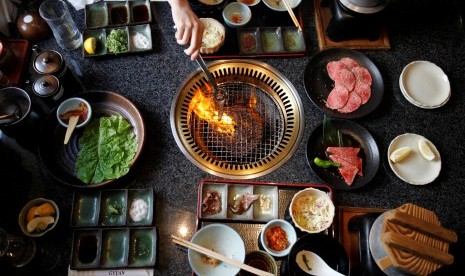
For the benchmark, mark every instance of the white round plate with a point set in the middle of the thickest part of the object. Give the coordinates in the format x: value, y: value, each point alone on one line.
x: 414, y: 168
x: 211, y: 2
x: 425, y: 84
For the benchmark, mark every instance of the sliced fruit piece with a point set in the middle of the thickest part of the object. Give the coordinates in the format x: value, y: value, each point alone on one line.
x: 31, y: 213
x: 45, y: 209
x: 90, y: 45
x: 39, y: 223
x: 425, y: 150
x: 399, y: 154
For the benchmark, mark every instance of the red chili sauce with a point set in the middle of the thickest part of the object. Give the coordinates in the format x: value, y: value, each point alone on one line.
x: 237, y: 18
x: 80, y: 111
x: 277, y: 238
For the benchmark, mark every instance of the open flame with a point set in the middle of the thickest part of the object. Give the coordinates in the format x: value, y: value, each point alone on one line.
x: 205, y: 108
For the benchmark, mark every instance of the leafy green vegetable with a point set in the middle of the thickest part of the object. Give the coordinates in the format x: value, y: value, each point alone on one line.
x: 115, y: 210
x: 325, y: 163
x: 117, y: 41
x: 108, y: 146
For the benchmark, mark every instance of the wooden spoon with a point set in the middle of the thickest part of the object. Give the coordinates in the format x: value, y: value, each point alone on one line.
x: 314, y: 264
x: 71, y: 126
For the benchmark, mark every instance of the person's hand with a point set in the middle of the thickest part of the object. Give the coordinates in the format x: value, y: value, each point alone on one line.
x: 189, y: 28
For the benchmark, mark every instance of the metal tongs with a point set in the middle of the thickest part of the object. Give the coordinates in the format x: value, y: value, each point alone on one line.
x: 219, y: 95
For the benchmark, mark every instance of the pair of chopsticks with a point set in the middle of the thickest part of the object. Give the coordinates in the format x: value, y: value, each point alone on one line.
x: 291, y: 12
x: 218, y: 256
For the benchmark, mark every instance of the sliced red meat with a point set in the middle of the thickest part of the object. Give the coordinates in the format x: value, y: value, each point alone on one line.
x: 346, y: 78
x: 243, y: 204
x: 362, y: 74
x: 344, y: 151
x: 350, y: 63
x: 363, y: 90
x: 355, y: 161
x: 354, y: 102
x: 347, y: 170
x: 338, y: 97
x: 333, y: 68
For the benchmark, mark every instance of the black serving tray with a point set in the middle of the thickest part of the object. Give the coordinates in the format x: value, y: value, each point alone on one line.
x: 263, y: 19
x: 249, y: 228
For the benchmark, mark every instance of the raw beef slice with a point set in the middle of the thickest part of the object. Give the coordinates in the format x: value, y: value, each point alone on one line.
x: 362, y: 74
x: 338, y: 97
x: 344, y: 151
x: 354, y: 102
x: 346, y: 78
x: 350, y: 63
x: 333, y: 68
x: 347, y: 170
x: 363, y: 90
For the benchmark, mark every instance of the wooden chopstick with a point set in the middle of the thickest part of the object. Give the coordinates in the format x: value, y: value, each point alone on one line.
x: 218, y: 256
x: 291, y: 12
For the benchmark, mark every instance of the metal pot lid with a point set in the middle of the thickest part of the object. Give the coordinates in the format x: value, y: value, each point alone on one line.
x: 48, y: 62
x: 365, y: 6
x: 46, y: 85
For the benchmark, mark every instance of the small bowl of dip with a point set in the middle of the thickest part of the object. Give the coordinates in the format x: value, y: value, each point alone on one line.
x: 237, y: 14
x: 260, y: 260
x: 277, y: 237
x: 74, y: 107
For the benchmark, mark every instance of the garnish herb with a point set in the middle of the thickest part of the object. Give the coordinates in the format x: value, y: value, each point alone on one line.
x: 304, y: 257
x: 325, y: 163
x: 117, y: 41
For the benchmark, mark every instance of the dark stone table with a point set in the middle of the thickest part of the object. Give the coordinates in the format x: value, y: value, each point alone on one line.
x: 418, y: 30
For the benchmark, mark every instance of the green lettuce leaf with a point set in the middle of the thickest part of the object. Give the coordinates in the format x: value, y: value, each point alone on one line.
x: 108, y: 146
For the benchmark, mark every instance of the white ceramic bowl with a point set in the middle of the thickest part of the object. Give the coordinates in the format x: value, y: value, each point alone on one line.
x: 249, y: 3
x: 291, y: 236
x: 221, y: 239
x: 236, y: 14
x: 279, y: 6
x: 70, y: 104
x: 314, y: 201
x: 214, y: 33
x: 22, y: 220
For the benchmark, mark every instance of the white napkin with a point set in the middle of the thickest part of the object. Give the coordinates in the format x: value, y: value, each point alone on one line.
x: 80, y: 4
x: 122, y: 271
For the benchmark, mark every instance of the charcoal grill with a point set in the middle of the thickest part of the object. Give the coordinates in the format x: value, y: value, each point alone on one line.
x: 260, y: 127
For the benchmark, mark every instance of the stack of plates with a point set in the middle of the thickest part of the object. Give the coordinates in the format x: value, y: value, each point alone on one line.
x: 425, y: 84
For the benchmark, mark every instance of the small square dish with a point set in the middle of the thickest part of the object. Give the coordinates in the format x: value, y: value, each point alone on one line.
x: 249, y: 41
x: 97, y: 47
x: 214, y: 201
x: 271, y: 40
x: 117, y: 40
x: 140, y: 207
x: 140, y: 11
x: 96, y: 15
x: 142, y: 247
x: 240, y: 201
x: 118, y: 12
x: 293, y: 40
x: 86, y: 207
x: 115, y: 248
x: 140, y: 38
x: 86, y: 249
x: 113, y: 208
x: 266, y: 207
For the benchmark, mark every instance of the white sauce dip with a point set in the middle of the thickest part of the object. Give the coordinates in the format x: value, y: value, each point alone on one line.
x: 139, y: 210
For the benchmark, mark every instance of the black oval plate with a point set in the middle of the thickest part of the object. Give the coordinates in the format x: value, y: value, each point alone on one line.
x: 318, y: 84
x: 58, y: 159
x: 329, y: 249
x: 368, y: 151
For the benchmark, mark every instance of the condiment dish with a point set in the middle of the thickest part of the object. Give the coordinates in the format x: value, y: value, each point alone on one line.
x: 279, y: 5
x: 315, y: 202
x: 270, y: 229
x: 237, y: 14
x: 38, y: 216
x: 221, y: 239
x: 261, y: 260
x: 74, y: 106
x: 249, y: 3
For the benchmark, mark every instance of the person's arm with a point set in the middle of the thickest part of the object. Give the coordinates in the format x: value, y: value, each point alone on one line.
x: 189, y: 28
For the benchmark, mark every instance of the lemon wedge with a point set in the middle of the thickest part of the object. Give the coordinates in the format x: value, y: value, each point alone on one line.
x: 399, y: 154
x: 39, y: 223
x: 90, y: 45
x: 425, y: 150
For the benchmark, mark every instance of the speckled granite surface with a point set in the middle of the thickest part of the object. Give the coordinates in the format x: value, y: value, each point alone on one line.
x: 418, y: 30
